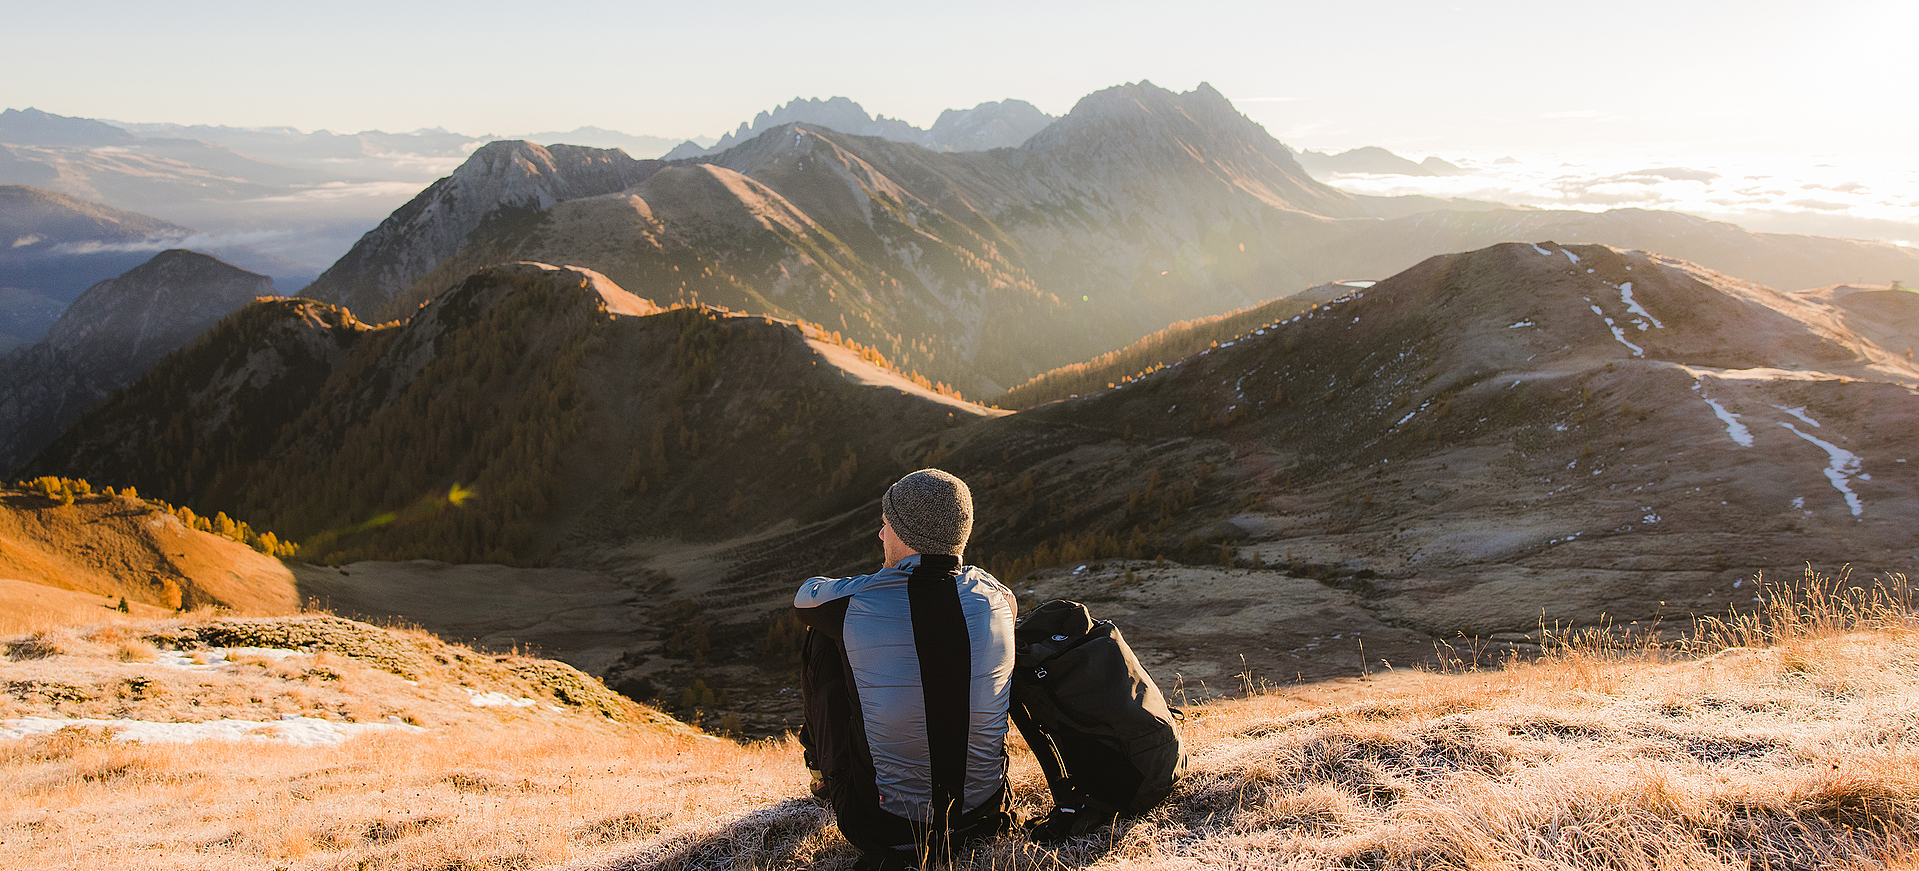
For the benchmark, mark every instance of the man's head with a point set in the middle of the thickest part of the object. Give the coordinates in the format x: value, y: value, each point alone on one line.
x: 929, y: 511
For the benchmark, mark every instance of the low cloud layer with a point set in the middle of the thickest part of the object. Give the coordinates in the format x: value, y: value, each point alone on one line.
x: 1824, y: 200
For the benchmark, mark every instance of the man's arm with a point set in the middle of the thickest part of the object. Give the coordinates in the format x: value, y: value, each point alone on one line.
x: 828, y: 618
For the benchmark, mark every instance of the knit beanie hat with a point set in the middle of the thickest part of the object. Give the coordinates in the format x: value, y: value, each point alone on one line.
x: 931, y: 511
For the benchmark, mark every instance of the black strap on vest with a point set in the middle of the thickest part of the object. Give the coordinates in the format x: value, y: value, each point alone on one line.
x: 946, y: 676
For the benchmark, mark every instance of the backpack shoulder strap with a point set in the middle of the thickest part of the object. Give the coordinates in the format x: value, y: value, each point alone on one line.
x: 1043, y: 750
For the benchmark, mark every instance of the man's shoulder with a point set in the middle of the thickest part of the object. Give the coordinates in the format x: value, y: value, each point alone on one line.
x: 818, y: 591
x: 977, y: 575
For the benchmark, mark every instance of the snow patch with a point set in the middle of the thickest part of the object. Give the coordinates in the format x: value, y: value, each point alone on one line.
x: 289, y: 729
x: 1619, y: 334
x: 1422, y: 407
x: 213, y: 658
x: 1569, y: 255
x: 1539, y: 249
x: 1843, y: 468
x: 499, y: 700
x: 1633, y: 306
x: 1525, y: 323
x: 1740, y: 434
x: 1799, y: 412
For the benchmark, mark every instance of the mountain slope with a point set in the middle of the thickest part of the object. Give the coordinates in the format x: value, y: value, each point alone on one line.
x: 564, y: 405
x: 109, y: 337
x: 501, y: 181
x: 978, y: 269
x: 1177, y: 341
x: 982, y: 269
x: 56, y: 217
x: 1484, y: 441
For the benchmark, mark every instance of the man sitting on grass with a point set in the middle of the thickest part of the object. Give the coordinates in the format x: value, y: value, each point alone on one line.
x: 905, y: 677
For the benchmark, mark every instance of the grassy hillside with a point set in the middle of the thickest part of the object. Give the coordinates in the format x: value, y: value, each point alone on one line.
x: 1780, y: 740
x: 64, y: 544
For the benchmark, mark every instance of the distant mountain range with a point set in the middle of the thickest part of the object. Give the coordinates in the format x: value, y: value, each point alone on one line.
x: 1371, y: 160
x: 1003, y: 124
x: 981, y: 269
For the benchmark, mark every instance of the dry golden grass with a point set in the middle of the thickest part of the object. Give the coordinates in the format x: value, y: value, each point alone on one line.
x: 1792, y: 742
x: 1779, y: 740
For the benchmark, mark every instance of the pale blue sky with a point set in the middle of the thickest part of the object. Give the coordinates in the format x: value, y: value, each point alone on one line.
x: 1831, y: 80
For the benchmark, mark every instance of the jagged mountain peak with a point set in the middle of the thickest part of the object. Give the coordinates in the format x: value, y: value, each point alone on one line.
x: 999, y: 124
x: 838, y: 113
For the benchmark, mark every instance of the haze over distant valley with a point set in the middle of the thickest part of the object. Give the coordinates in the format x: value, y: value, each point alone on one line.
x: 1866, y: 199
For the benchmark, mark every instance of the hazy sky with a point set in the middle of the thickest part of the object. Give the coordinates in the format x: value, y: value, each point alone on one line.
x: 1826, y: 80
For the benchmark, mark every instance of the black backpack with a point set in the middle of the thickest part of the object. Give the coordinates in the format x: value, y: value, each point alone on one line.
x: 1094, y: 718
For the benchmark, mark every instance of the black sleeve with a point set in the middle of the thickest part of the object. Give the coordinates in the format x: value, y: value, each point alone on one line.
x: 829, y: 619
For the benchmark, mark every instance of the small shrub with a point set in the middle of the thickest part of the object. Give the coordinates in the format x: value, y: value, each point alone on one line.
x: 39, y: 645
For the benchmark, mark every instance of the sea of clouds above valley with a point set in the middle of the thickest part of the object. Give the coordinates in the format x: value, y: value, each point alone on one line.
x: 1852, y: 201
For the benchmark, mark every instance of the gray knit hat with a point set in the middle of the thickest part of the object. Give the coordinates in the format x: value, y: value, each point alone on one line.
x: 931, y: 511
